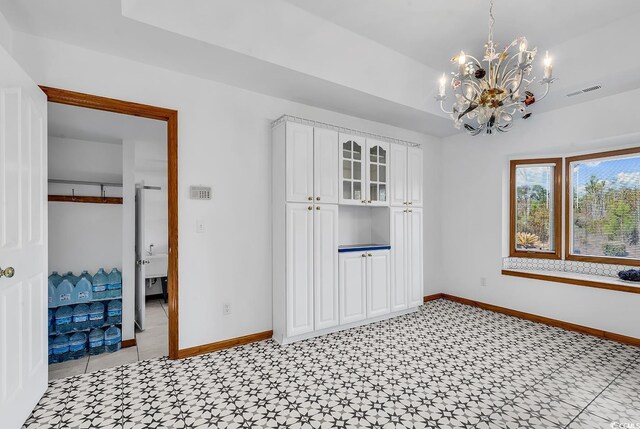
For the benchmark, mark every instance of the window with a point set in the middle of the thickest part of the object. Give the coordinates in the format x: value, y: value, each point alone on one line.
x: 535, y: 208
x: 603, y: 207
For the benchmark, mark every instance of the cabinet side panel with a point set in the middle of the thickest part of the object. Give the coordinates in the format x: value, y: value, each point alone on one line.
x: 398, y: 258
x: 278, y: 208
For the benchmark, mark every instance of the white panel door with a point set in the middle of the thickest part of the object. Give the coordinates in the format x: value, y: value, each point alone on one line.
x: 377, y: 172
x: 415, y: 177
x: 415, y: 279
x: 352, y: 172
x: 398, y: 175
x: 141, y: 262
x: 353, y: 287
x: 299, y: 163
x: 378, y: 283
x: 326, y: 175
x: 23, y: 243
x: 299, y: 267
x: 398, y: 219
x: 325, y: 243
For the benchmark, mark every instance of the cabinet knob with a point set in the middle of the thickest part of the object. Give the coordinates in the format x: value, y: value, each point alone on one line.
x: 363, y: 201
x: 405, y: 203
x: 317, y: 198
x: 410, y: 211
x: 369, y: 201
x: 310, y: 198
x: 369, y: 254
x: 364, y: 255
x: 405, y: 210
x: 317, y: 207
x: 410, y: 202
x: 309, y: 208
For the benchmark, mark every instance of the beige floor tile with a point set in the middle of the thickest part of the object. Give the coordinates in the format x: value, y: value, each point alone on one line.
x: 153, y: 351
x: 68, y: 369
x: 109, y: 360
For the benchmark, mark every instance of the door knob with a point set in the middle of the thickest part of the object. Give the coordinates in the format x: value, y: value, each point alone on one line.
x: 7, y: 272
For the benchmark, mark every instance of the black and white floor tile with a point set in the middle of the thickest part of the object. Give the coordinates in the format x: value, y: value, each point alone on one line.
x: 446, y: 366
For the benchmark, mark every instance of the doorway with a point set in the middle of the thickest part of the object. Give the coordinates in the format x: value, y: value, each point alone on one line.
x: 162, y: 251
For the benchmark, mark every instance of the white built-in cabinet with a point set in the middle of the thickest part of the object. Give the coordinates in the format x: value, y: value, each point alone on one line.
x: 406, y: 257
x: 365, y: 285
x: 330, y: 190
x: 364, y: 166
x: 406, y: 169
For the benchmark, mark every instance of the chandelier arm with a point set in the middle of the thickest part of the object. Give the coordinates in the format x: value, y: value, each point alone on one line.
x: 443, y: 109
x: 546, y: 91
x: 474, y: 59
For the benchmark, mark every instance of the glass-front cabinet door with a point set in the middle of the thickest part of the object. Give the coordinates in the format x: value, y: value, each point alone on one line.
x: 352, y: 170
x: 377, y: 167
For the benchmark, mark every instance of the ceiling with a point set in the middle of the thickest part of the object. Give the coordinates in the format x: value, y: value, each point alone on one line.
x: 374, y: 59
x: 433, y: 31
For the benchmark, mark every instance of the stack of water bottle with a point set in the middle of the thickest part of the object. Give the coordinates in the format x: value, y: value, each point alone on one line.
x: 84, y: 314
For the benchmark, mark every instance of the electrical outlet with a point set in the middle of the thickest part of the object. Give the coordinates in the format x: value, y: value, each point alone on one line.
x: 200, y: 226
x: 483, y: 281
x: 226, y: 309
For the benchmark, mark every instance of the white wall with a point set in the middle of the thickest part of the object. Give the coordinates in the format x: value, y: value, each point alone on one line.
x: 475, y: 212
x: 84, y: 236
x: 223, y: 142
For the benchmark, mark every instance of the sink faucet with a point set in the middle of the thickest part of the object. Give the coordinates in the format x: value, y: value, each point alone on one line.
x: 151, y: 250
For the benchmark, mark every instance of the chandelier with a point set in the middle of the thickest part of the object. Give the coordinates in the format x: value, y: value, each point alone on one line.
x: 491, y: 93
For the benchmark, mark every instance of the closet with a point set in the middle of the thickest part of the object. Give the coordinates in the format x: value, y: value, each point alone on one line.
x: 347, y: 228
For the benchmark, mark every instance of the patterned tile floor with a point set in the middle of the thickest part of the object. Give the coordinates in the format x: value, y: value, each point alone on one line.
x: 447, y: 366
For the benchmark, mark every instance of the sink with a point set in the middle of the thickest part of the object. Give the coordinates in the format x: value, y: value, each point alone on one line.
x: 157, y: 266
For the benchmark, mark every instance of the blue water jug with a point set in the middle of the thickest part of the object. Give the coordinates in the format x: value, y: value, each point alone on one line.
x: 71, y: 277
x: 112, y: 339
x: 96, y: 342
x: 77, y: 345
x: 114, y: 312
x: 64, y: 293
x: 55, y: 278
x: 53, y: 298
x: 114, y: 284
x: 64, y: 318
x: 51, y: 316
x: 100, y: 281
x: 96, y: 315
x: 82, y: 292
x: 50, y: 350
x: 81, y: 317
x: 85, y: 275
x: 60, y: 350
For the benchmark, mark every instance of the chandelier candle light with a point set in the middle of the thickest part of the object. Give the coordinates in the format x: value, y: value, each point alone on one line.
x: 488, y: 97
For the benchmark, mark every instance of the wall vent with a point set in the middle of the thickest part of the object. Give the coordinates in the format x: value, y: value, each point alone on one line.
x: 584, y: 91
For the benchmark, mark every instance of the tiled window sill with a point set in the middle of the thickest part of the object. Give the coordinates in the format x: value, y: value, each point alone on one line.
x: 575, y: 278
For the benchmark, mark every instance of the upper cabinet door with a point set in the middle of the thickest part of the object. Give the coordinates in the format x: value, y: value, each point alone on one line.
x: 415, y: 177
x: 398, y: 219
x: 353, y: 287
x: 415, y: 252
x: 352, y: 178
x: 377, y: 161
x: 326, y: 176
x: 299, y: 163
x: 378, y: 282
x: 325, y: 242
x: 299, y: 271
x: 398, y: 175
